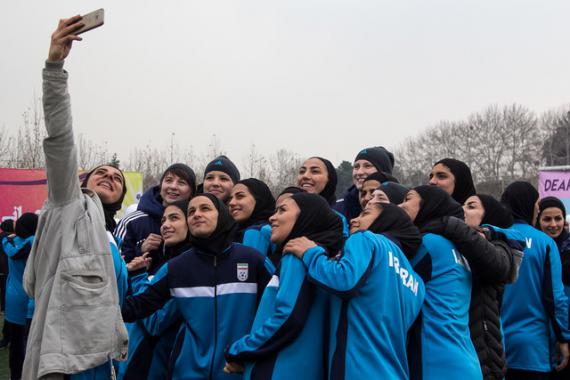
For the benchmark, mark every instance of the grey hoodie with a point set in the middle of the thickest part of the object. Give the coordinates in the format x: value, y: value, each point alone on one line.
x: 77, y: 322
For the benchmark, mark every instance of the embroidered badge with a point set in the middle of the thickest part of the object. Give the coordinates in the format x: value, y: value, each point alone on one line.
x: 242, y: 271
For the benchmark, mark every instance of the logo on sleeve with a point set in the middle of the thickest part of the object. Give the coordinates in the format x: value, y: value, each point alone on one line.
x: 242, y: 271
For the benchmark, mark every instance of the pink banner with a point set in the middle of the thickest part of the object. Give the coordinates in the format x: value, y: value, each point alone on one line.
x: 554, y: 183
x: 21, y: 190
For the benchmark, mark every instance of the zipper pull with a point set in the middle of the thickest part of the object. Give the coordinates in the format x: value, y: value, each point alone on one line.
x: 485, y: 326
x: 215, y: 261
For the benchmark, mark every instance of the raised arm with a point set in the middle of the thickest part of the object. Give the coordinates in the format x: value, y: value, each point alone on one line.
x: 59, y: 147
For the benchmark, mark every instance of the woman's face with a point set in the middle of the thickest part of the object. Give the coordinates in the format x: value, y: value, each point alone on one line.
x: 442, y: 177
x: 313, y: 176
x: 174, y: 188
x: 367, y: 192
x: 107, y: 182
x: 219, y: 184
x: 379, y: 196
x: 241, y: 203
x: 283, y: 220
x: 474, y: 211
x: 360, y: 171
x: 174, y: 227
x: 552, y: 221
x: 412, y: 204
x: 202, y: 217
x: 363, y: 221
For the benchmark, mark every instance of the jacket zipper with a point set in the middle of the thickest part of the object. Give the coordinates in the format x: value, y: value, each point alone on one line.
x: 215, y: 316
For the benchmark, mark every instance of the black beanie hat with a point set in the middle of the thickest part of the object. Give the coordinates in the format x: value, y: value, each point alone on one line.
x: 330, y: 188
x: 7, y: 226
x: 378, y: 156
x: 223, y: 164
x: 183, y: 171
x: 26, y: 225
x: 464, y: 187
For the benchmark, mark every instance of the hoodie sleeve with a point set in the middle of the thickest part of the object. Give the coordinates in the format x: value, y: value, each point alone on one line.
x: 59, y: 147
x: 342, y: 277
x: 491, y: 263
x: 554, y: 299
x: 292, y: 305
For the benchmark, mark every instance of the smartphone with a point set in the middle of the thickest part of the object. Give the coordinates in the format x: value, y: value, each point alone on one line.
x: 92, y: 20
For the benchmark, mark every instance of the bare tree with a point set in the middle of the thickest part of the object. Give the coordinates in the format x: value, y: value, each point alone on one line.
x: 284, y: 166
x: 256, y: 165
x: 6, y: 142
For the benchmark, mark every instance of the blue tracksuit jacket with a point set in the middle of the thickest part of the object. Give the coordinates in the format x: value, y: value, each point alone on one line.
x: 440, y: 343
x: 349, y: 204
x: 17, y: 250
x: 258, y: 236
x: 379, y: 298
x: 217, y: 297
x: 150, y: 340
x: 288, y: 338
x: 135, y: 227
x: 535, y: 308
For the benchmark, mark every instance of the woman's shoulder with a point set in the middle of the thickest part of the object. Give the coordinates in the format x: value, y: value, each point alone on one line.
x: 433, y: 240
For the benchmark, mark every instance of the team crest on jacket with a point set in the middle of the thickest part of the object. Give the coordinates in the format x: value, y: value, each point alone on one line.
x: 242, y: 271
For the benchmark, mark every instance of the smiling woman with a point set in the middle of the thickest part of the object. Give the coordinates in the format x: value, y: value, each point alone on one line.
x: 108, y: 182
x: 216, y: 286
x: 318, y: 176
x: 251, y: 204
x: 56, y: 274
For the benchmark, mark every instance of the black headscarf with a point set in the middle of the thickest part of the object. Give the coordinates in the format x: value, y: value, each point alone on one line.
x: 495, y: 214
x: 329, y: 191
x: 464, y: 187
x: 397, y: 225
x: 291, y: 190
x: 264, y: 202
x: 223, y: 235
x: 26, y: 225
x: 435, y: 203
x: 184, y: 245
x: 318, y: 222
x: 168, y: 252
x: 548, y: 202
x: 7, y: 226
x: 381, y: 177
x: 519, y: 198
x: 110, y: 209
x: 395, y: 192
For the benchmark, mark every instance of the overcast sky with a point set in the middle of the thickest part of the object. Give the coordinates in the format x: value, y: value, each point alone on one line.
x: 319, y: 77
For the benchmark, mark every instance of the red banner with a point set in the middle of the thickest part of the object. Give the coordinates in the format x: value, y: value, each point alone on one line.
x: 21, y: 190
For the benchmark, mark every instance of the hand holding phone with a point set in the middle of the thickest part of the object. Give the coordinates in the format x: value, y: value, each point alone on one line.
x: 92, y: 20
x: 68, y: 30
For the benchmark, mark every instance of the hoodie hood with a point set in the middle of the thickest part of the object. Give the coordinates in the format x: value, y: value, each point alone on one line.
x: 151, y: 203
